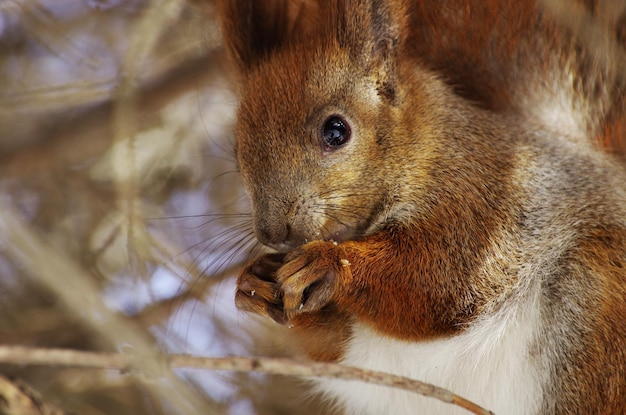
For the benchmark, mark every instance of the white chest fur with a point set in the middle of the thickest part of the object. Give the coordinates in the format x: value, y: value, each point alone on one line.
x: 488, y: 364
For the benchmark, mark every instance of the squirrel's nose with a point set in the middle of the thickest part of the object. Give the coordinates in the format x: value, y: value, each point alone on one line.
x: 270, y: 234
x: 279, y: 236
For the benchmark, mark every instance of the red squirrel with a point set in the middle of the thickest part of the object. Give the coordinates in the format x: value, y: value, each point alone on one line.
x: 444, y: 185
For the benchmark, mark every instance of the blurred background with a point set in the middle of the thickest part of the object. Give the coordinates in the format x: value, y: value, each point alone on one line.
x: 122, y: 218
x: 123, y: 221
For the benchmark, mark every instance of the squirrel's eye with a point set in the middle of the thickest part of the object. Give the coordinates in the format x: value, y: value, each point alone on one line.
x: 336, y: 132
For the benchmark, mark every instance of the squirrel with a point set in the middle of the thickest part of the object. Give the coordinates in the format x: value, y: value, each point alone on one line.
x: 444, y: 186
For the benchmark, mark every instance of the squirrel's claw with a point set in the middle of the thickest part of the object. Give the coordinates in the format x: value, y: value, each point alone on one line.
x: 257, y: 289
x: 281, y: 287
x: 310, y: 277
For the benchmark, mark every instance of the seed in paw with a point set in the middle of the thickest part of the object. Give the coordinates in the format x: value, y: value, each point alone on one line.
x: 345, y: 262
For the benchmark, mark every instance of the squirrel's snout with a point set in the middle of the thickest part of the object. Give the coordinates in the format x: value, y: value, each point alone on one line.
x: 284, y: 226
x: 279, y: 236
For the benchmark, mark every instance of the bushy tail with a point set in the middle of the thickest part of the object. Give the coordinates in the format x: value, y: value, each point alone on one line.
x: 558, y: 63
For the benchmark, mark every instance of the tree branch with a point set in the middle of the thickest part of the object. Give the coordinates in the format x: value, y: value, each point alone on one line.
x: 126, y: 362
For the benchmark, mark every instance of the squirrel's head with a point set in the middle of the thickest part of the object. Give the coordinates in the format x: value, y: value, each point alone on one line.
x: 318, y: 115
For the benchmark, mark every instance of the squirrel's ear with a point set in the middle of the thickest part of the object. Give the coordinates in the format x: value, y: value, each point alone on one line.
x: 253, y: 29
x: 373, y: 30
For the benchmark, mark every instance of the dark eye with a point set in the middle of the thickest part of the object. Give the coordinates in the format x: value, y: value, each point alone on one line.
x: 336, y: 132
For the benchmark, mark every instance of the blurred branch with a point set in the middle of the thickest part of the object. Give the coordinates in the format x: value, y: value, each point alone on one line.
x: 76, y: 138
x: 276, y: 366
x: 47, y: 98
x: 19, y: 399
x: 158, y: 17
x: 160, y: 311
x: 42, y: 25
x: 80, y: 295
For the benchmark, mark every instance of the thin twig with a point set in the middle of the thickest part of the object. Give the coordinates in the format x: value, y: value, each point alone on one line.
x: 80, y: 295
x: 277, y: 366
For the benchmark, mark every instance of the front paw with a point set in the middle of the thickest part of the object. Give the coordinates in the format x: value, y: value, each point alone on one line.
x: 257, y: 288
x: 311, y: 277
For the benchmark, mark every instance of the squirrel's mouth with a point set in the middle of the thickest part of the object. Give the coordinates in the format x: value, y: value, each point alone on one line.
x: 343, y: 235
x: 337, y: 230
x: 341, y: 232
x: 345, y: 232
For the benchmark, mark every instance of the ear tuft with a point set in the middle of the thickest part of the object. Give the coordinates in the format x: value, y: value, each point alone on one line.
x: 253, y: 29
x: 372, y: 31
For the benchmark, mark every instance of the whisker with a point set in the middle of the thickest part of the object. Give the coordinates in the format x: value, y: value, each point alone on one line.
x: 210, y: 221
x: 243, y: 225
x: 220, y: 262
